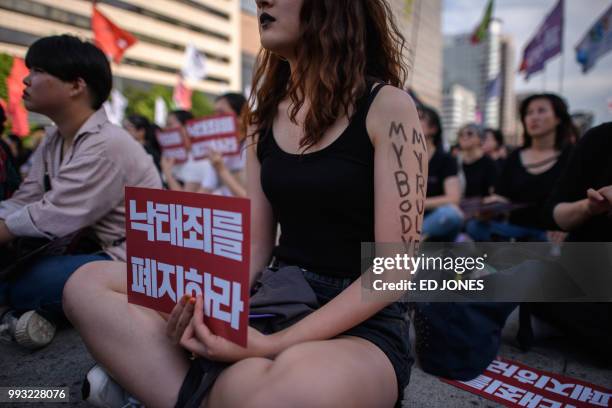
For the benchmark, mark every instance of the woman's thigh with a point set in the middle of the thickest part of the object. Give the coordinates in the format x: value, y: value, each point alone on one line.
x: 129, y: 341
x: 346, y: 371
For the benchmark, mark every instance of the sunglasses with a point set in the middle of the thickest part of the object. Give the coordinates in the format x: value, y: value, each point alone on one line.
x: 467, y: 133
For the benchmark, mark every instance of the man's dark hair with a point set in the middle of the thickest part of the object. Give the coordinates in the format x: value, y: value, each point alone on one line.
x: 68, y: 58
x: 182, y: 116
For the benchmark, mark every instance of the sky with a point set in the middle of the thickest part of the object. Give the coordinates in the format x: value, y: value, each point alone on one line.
x: 520, y: 20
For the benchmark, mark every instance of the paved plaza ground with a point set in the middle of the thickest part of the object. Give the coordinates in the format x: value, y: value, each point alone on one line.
x: 66, y: 361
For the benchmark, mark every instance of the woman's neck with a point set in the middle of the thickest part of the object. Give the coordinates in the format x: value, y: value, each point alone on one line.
x: 471, y: 155
x: 545, y: 142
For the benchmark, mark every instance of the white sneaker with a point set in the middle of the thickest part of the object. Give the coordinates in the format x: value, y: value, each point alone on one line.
x: 33, y: 331
x: 100, y: 390
x: 30, y: 330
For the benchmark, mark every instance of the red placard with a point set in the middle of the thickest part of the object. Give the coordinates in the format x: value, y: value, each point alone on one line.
x: 516, y: 385
x: 172, y: 144
x: 217, y: 132
x: 189, y: 243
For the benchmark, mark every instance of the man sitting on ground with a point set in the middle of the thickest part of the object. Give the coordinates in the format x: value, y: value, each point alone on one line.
x: 76, y: 182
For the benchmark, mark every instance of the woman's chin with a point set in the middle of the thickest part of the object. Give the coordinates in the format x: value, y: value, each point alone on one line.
x: 273, y: 45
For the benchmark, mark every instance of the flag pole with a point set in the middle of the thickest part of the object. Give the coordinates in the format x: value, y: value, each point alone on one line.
x: 562, y: 72
x: 544, y: 79
x: 562, y: 62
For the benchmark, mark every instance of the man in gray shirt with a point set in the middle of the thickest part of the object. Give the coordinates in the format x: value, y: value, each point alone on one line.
x: 76, y: 181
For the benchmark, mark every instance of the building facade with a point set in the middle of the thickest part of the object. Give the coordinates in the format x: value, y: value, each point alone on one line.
x: 487, y: 69
x: 163, y: 29
x: 250, y: 43
x: 421, y: 24
x: 458, y: 108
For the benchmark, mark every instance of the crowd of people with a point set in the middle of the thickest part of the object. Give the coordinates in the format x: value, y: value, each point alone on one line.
x: 320, y: 154
x: 480, y: 172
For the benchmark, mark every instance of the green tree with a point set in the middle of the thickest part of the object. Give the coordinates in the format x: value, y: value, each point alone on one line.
x: 142, y: 101
x: 6, y: 63
x: 201, y: 105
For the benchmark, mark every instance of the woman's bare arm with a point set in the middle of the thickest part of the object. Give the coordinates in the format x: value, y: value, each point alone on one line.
x: 263, y: 224
x: 400, y: 179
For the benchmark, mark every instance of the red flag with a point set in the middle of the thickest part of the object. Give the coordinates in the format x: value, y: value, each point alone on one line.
x: 110, y: 38
x: 182, y: 95
x: 15, y: 108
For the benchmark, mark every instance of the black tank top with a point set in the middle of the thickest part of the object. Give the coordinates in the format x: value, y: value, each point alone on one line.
x: 324, y: 200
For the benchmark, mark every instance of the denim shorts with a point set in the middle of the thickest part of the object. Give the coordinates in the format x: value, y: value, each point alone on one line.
x: 388, y: 329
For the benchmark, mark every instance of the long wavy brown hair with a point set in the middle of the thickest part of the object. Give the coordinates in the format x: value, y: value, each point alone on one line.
x: 342, y: 42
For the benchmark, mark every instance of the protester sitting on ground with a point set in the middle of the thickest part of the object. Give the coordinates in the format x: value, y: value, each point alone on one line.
x: 479, y: 169
x: 77, y: 181
x: 144, y: 132
x: 19, y: 151
x: 9, y: 176
x: 494, y: 146
x: 443, y: 219
x: 193, y: 175
x: 31, y: 142
x: 582, y: 199
x: 333, y: 150
x: 230, y: 169
x: 455, y: 150
x: 581, y: 203
x: 530, y: 172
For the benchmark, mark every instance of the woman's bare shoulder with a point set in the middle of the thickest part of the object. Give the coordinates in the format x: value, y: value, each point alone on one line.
x: 391, y: 107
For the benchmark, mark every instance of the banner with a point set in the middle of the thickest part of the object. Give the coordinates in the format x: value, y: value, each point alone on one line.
x: 516, y: 385
x: 172, y: 144
x: 547, y: 43
x: 194, y: 67
x: 181, y: 96
x: 161, y: 111
x: 15, y: 87
x: 596, y: 43
x: 115, y: 108
x: 494, y: 87
x: 110, y: 38
x: 186, y: 243
x: 217, y: 132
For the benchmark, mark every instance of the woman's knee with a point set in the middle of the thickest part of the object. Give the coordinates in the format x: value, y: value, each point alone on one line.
x: 238, y: 382
x: 87, y: 280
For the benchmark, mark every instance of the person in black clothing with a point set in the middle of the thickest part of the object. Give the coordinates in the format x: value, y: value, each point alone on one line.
x: 494, y: 146
x: 9, y: 176
x: 479, y: 169
x: 144, y: 132
x: 337, y: 156
x: 443, y: 219
x: 530, y: 172
x: 581, y: 204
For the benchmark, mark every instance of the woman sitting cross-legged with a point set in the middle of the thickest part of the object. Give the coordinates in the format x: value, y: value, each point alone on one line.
x: 334, y: 146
